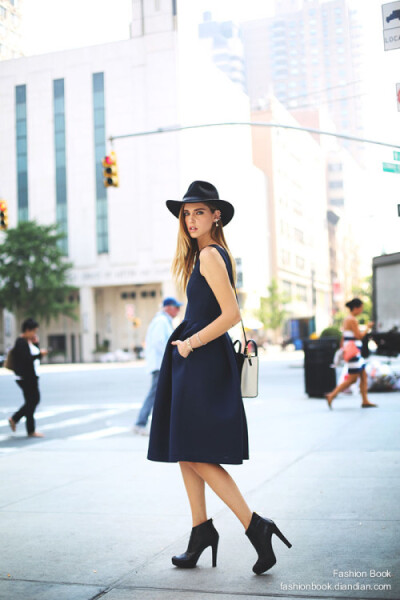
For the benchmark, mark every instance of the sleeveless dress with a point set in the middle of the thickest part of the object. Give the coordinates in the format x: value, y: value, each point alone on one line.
x: 198, y: 412
x: 357, y: 363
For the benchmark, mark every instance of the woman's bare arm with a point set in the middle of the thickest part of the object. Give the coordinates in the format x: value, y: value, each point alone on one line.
x: 213, y: 268
x: 352, y: 324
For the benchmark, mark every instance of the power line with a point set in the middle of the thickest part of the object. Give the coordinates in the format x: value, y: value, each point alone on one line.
x: 174, y: 128
x: 326, y: 101
x: 322, y: 90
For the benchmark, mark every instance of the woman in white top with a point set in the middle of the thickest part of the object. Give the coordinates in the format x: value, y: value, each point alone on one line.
x: 26, y: 359
x: 352, y: 338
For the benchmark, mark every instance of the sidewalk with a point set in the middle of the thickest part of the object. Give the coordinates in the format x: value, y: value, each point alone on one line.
x: 87, y: 520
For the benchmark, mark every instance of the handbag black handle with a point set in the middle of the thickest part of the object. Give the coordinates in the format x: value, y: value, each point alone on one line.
x: 246, y: 341
x: 244, y: 333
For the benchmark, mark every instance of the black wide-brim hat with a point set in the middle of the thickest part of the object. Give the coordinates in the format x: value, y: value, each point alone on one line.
x: 202, y: 191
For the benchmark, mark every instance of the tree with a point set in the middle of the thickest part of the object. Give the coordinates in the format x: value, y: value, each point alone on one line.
x: 271, y: 313
x: 364, y: 292
x: 33, y: 273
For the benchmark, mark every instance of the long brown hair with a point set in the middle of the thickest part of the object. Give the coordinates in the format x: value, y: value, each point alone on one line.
x: 187, y: 251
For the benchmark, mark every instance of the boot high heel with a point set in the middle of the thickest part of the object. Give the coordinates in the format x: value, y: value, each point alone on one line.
x: 260, y: 533
x: 201, y: 537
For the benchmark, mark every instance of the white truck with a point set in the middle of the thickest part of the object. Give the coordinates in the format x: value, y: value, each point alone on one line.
x: 386, y: 292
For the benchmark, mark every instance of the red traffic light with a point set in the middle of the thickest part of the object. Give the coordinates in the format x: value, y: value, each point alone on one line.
x: 3, y: 215
x: 110, y: 171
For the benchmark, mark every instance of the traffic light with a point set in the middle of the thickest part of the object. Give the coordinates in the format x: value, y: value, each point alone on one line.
x: 110, y: 170
x: 3, y: 215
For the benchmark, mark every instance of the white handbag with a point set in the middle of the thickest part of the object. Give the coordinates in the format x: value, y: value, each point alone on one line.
x: 247, y: 363
x: 249, y: 379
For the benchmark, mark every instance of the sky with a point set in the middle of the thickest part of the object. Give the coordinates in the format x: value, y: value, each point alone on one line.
x: 76, y: 23
x: 50, y: 25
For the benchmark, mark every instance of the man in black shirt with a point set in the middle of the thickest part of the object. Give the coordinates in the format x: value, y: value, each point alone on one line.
x: 26, y: 355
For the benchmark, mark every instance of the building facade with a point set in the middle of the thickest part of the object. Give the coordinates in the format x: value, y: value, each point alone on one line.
x: 294, y: 164
x: 310, y: 54
x: 58, y: 112
x: 225, y: 47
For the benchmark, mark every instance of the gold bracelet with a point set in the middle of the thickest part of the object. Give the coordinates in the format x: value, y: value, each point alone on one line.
x: 189, y: 344
x: 198, y: 337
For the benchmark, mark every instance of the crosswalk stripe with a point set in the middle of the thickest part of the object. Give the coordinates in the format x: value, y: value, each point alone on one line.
x: 57, y: 409
x: 39, y: 415
x: 76, y: 420
x: 83, y: 420
x: 101, y: 433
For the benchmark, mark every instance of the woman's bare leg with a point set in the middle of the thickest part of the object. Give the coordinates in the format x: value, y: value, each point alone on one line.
x: 364, y: 387
x: 343, y: 386
x: 224, y: 486
x: 195, y: 490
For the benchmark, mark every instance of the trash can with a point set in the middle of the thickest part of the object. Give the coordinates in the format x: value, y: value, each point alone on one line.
x: 319, y: 373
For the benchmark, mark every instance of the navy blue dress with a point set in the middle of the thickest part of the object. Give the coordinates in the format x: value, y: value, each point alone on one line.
x: 198, y: 412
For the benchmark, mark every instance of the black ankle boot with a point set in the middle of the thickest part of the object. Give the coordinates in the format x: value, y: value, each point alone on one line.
x: 259, y: 533
x: 202, y: 536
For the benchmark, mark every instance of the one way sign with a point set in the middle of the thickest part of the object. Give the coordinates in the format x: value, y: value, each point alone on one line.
x: 391, y: 25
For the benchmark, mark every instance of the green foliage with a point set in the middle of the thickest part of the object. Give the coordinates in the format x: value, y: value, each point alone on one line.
x: 338, y: 318
x: 271, y: 313
x: 33, y: 273
x: 332, y: 332
x: 364, y: 292
x: 103, y: 347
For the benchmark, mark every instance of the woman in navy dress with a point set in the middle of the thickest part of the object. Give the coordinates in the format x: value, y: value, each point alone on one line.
x: 198, y: 416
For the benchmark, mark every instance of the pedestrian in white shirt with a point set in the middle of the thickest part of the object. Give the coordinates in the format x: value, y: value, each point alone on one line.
x: 157, y: 336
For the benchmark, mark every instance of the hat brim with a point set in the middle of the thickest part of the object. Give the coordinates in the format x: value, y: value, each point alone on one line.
x: 226, y: 208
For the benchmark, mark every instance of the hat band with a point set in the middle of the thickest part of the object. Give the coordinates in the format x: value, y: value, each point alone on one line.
x: 197, y: 199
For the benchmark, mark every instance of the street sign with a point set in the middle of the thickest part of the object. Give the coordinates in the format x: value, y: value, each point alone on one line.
x: 396, y: 155
x: 391, y: 25
x: 398, y: 95
x: 391, y: 167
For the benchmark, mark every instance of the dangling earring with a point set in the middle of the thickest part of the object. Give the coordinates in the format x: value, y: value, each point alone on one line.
x: 216, y: 223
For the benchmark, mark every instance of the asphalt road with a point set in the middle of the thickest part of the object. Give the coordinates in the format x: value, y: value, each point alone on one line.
x: 84, y: 515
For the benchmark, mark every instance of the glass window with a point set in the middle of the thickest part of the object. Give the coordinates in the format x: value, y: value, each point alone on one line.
x: 299, y: 236
x: 335, y: 185
x: 59, y: 150
x: 22, y: 163
x: 100, y: 152
x: 20, y: 94
x: 98, y: 83
x: 60, y: 139
x: 301, y: 292
x: 21, y: 128
x: 300, y: 262
x: 335, y: 167
x: 336, y: 201
x: 285, y: 257
x: 287, y: 289
x: 98, y: 101
x: 22, y: 149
